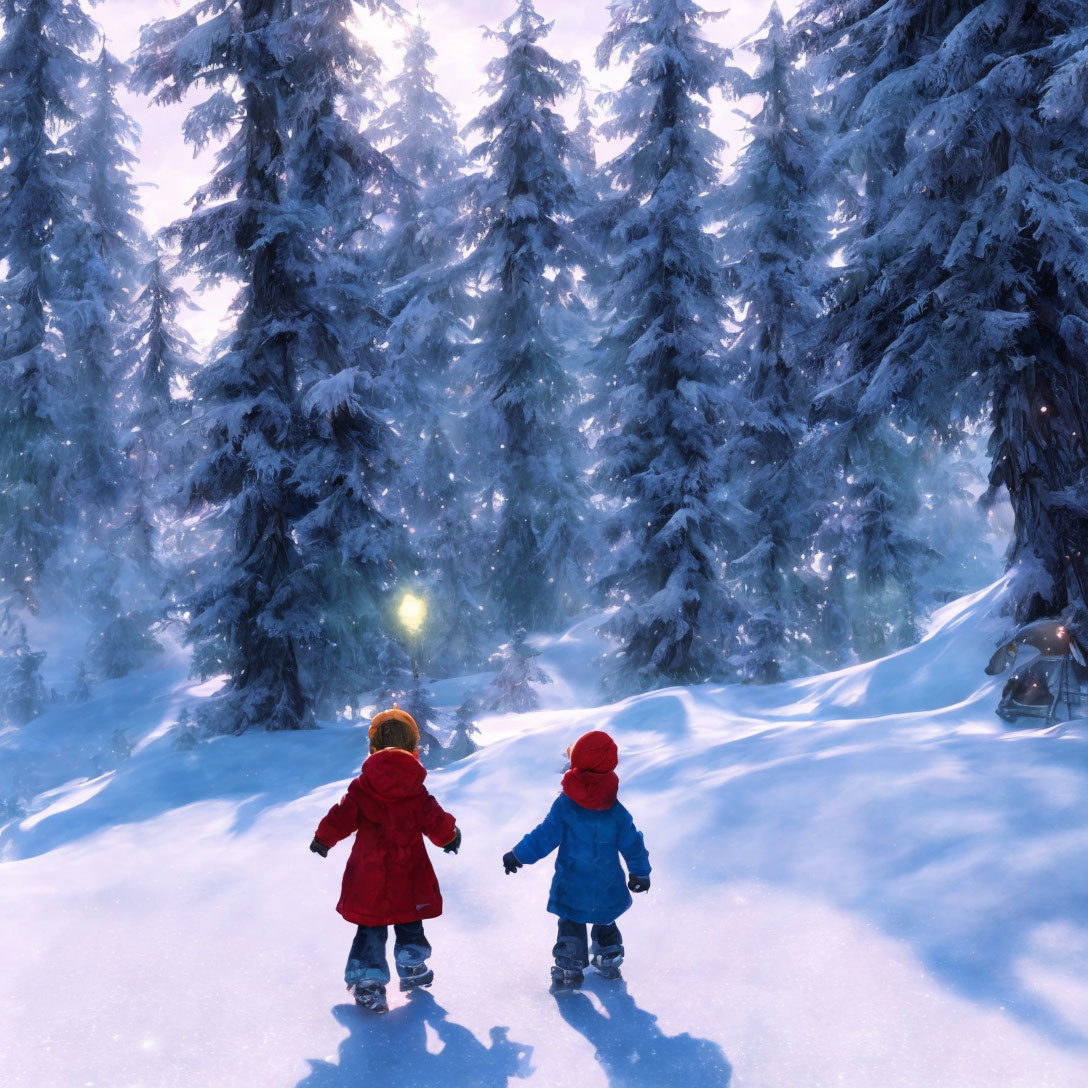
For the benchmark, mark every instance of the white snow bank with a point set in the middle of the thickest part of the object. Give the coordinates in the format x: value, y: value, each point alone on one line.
x: 860, y: 879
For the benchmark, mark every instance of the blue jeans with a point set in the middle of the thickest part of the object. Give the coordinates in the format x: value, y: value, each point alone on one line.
x: 572, y: 950
x: 367, y: 959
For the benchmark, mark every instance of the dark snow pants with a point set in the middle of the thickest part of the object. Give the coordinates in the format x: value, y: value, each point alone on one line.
x: 572, y: 950
x: 367, y: 956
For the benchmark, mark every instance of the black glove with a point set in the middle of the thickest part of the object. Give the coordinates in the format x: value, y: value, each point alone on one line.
x: 510, y: 863
x: 638, y: 883
x: 319, y: 848
x: 455, y: 843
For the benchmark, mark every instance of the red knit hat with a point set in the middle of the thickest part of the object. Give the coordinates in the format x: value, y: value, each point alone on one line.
x: 591, y: 781
x: 594, y: 751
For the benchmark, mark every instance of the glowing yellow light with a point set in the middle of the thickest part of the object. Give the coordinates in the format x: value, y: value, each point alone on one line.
x: 411, y: 612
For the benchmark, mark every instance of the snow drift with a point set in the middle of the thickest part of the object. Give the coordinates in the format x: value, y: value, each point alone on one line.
x: 860, y: 879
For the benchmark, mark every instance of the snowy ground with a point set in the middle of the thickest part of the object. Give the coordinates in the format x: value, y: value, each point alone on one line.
x: 861, y: 880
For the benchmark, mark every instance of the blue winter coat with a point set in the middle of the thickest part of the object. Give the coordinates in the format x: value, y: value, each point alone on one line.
x: 589, y: 885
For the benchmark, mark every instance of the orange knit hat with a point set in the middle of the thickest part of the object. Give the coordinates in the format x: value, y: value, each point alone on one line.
x: 396, y: 714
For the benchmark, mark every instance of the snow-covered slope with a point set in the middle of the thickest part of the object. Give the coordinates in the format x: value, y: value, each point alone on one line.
x: 861, y: 879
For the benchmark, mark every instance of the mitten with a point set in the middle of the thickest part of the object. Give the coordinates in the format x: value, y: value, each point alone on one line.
x: 319, y: 848
x: 455, y: 843
x: 638, y: 883
x: 510, y: 863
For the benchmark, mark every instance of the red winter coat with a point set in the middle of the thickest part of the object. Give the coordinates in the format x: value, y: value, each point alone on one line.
x: 388, y: 878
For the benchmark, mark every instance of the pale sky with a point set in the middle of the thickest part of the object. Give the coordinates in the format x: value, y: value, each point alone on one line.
x: 169, y: 174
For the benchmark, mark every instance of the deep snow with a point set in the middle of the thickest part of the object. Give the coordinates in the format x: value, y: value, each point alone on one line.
x: 861, y: 879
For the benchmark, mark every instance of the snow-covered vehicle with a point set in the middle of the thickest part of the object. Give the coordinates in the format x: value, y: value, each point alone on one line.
x: 1050, y: 677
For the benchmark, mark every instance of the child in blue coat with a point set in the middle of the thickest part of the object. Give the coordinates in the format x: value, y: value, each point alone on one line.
x: 591, y: 829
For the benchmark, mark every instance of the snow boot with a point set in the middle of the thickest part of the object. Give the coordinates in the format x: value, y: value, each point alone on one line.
x: 370, y: 995
x: 412, y: 978
x: 565, y: 980
x: 608, y: 965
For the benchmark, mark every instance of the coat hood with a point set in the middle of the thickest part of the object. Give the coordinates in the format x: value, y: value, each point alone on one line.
x: 591, y: 781
x: 392, y: 775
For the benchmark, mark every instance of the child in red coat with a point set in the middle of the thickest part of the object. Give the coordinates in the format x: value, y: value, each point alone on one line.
x: 388, y: 880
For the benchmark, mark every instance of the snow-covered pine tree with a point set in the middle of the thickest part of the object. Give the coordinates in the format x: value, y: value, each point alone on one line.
x: 583, y: 151
x: 267, y: 63
x: 851, y: 449
x: 513, y: 687
x: 98, y: 253
x: 418, y: 128
x: 773, y: 235
x: 252, y: 619
x: 428, y: 311
x: 967, y: 279
x: 162, y: 356
x: 870, y: 554
x: 524, y: 260
x: 450, y: 557
x: 160, y: 442
x: 660, y: 363
x: 40, y: 70
x: 354, y: 545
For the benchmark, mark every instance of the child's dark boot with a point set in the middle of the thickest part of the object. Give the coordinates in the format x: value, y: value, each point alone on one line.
x: 608, y: 964
x: 571, y: 957
x: 413, y: 976
x: 411, y: 957
x: 370, y: 995
x: 606, y: 951
x: 565, y: 979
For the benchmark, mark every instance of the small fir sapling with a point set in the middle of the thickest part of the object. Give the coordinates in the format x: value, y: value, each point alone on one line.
x: 513, y: 688
x: 418, y: 703
x: 394, y: 674
x: 186, y: 736
x: 83, y: 685
x: 120, y: 745
x: 401, y: 683
x: 18, y: 792
x: 12, y: 807
x: 125, y: 616
x: 22, y: 691
x: 465, y: 729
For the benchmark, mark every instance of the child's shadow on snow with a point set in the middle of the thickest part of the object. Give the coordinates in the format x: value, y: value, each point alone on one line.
x: 633, y: 1051
x: 394, y: 1051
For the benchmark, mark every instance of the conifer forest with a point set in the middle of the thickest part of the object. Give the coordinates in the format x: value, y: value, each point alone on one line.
x: 752, y: 348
